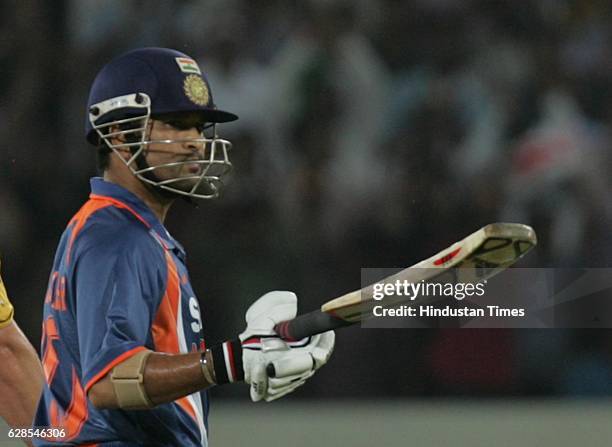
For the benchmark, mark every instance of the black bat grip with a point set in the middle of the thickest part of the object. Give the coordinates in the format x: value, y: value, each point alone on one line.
x: 312, y: 323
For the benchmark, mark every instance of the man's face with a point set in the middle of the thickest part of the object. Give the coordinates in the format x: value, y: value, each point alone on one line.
x: 182, y: 129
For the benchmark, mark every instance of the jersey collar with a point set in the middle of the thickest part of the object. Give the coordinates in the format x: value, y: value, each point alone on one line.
x: 100, y: 187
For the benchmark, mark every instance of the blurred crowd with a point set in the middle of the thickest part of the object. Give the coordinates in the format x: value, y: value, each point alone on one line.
x: 372, y: 133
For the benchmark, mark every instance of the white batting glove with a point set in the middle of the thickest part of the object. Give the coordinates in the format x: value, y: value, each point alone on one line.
x: 292, y: 366
x: 293, y: 362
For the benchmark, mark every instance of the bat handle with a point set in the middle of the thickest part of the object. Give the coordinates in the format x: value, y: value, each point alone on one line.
x: 306, y: 325
x: 285, y: 330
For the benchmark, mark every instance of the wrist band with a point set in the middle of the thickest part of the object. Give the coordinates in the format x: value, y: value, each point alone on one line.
x: 207, y: 367
x: 227, y: 362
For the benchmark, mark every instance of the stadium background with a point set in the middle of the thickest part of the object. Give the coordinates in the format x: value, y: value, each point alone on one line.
x: 372, y: 133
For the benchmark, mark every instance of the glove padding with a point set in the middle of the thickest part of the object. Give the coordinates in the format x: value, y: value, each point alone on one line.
x: 294, y: 362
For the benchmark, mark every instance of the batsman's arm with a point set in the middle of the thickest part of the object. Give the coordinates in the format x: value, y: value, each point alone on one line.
x: 165, y: 378
x: 145, y: 379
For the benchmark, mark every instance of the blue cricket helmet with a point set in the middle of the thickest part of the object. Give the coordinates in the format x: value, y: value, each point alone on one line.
x: 171, y: 80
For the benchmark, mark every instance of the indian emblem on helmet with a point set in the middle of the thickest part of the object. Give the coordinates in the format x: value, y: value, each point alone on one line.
x: 196, y: 90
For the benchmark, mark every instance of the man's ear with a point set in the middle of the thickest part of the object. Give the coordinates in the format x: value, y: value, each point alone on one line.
x: 120, y: 139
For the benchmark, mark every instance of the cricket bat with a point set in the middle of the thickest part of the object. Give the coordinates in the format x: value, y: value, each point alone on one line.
x: 479, y: 256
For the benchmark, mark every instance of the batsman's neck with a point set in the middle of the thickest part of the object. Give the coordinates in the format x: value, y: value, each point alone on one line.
x: 155, y: 201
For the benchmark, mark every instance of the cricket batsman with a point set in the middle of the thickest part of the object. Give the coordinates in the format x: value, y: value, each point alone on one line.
x: 123, y: 340
x: 20, y: 374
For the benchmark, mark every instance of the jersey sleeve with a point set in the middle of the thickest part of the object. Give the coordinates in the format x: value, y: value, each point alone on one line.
x: 117, y: 293
x: 6, y: 308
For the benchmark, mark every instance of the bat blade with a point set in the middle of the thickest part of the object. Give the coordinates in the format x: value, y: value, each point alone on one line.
x: 473, y: 259
x: 480, y: 256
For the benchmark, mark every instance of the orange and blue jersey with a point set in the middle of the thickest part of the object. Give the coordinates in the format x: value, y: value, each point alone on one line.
x: 119, y: 285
